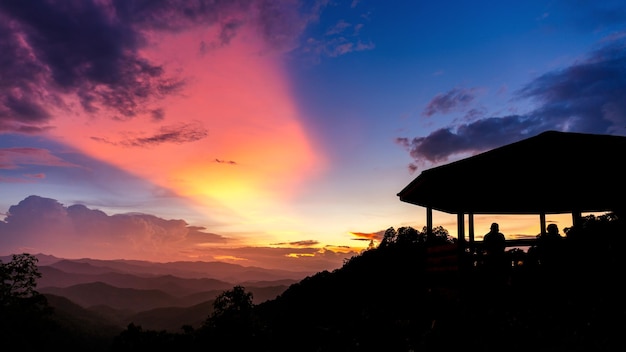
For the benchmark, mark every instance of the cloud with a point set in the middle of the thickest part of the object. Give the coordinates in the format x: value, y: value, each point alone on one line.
x: 13, y: 158
x: 308, y: 259
x: 586, y: 97
x: 305, y: 243
x: 368, y: 236
x: 90, y: 52
x: 79, y: 49
x: 49, y: 226
x: 339, y: 27
x: 43, y: 225
x: 336, y: 47
x: 454, y: 100
x: 177, y: 134
x: 230, y: 162
x: 340, y: 38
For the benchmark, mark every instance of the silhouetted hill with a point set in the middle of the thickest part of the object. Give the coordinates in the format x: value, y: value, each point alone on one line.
x: 192, y: 270
x: 99, y: 293
x: 172, y: 285
x: 120, y: 317
x: 387, y: 300
x: 394, y: 298
x: 377, y: 299
x: 82, y: 319
x: 76, y: 328
x: 122, y: 305
x: 173, y: 318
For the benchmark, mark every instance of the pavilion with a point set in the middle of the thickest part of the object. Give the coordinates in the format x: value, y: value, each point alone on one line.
x: 550, y: 173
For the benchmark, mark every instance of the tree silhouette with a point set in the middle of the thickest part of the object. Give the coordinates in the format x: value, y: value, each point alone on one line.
x: 231, y: 324
x: 389, y: 238
x: 407, y: 236
x: 18, y: 279
x: 24, y: 312
x: 439, y: 235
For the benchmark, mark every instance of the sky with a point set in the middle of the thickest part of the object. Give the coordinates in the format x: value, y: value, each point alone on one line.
x: 277, y: 133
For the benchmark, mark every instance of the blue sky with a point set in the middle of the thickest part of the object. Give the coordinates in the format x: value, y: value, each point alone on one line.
x: 279, y: 132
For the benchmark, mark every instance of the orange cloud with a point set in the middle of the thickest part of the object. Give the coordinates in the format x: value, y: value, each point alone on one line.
x: 367, y: 236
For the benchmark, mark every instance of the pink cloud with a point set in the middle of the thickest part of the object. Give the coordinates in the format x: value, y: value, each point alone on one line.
x: 44, y: 225
x: 12, y: 158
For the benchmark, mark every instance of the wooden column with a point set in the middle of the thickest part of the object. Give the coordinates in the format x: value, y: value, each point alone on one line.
x: 577, y: 219
x: 429, y: 223
x: 460, y: 224
x: 470, y: 224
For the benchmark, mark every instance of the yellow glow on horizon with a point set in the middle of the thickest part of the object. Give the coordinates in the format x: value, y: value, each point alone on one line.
x: 229, y: 258
x: 512, y: 226
x: 299, y: 255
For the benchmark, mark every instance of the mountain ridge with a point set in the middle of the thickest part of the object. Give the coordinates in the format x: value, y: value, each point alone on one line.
x: 185, y: 269
x: 151, y: 294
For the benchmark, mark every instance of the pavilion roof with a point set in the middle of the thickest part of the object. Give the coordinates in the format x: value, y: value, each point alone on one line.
x: 552, y: 172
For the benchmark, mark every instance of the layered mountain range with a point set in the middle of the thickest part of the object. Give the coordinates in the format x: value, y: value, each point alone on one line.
x: 158, y: 296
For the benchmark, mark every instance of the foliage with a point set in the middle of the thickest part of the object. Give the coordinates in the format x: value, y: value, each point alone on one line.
x: 23, y: 310
x: 376, y: 300
x: 231, y: 325
x: 408, y: 236
x: 18, y: 278
x: 231, y: 304
x: 385, y: 298
x: 135, y: 338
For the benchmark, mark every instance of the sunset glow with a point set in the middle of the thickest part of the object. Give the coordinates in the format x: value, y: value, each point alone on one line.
x: 277, y: 133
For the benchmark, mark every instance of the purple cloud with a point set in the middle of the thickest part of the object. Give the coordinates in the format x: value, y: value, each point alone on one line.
x: 342, y: 38
x: 456, y: 99
x: 49, y: 226
x: 586, y: 97
x: 43, y: 225
x: 92, y: 50
x: 183, y: 133
x: 13, y: 158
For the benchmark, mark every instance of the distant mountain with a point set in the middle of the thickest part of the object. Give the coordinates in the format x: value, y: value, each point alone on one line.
x: 99, y: 293
x: 97, y: 304
x: 43, y: 259
x: 120, y: 292
x: 157, y: 302
x: 227, y: 272
x: 78, y: 267
x: 172, y: 285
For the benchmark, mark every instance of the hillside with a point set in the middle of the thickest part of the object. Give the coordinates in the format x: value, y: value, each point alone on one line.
x: 390, y: 298
x: 149, y: 294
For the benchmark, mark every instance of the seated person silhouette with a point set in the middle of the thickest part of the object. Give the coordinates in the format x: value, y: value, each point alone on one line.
x: 494, y: 245
x: 549, y: 246
x: 494, y: 242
